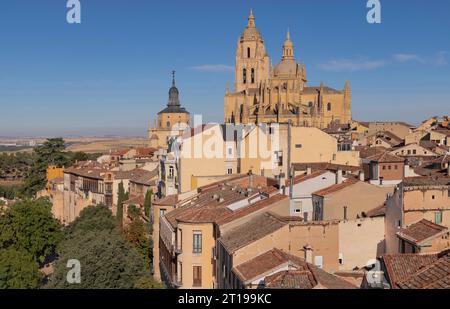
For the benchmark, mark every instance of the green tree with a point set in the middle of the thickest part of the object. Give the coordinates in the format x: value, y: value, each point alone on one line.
x: 147, y: 283
x: 50, y: 153
x: 18, y: 270
x: 136, y: 234
x: 121, y: 197
x: 148, y: 202
x: 30, y: 226
x: 107, y: 260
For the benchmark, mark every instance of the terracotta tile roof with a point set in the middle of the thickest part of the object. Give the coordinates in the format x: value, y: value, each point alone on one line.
x: 88, y: 169
x: 302, y: 178
x: 257, y: 228
x: 426, y: 181
x: 210, y: 205
x: 400, y: 267
x: 377, y: 212
x: 325, y: 166
x: 252, y: 208
x: 335, y: 188
x: 434, y: 276
x: 421, y: 231
x: 145, y: 151
x: 135, y: 200
x: 120, y: 152
x: 264, y: 263
x: 170, y: 200
x: 385, y: 158
x: 366, y: 151
x: 146, y: 178
x: 291, y: 279
x: 129, y: 174
x: 300, y: 274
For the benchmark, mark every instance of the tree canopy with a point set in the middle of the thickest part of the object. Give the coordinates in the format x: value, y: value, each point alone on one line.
x: 107, y: 259
x: 49, y: 153
x: 18, y: 270
x: 30, y: 226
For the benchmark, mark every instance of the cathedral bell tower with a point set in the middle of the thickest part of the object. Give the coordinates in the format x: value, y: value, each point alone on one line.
x: 252, y: 61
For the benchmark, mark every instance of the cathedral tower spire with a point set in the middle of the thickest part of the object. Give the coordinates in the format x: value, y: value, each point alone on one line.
x: 288, y: 47
x: 251, y: 20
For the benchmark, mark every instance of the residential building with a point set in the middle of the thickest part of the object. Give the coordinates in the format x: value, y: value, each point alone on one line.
x: 349, y: 199
x: 384, y: 169
x: 188, y: 234
x: 414, y: 199
x: 413, y: 150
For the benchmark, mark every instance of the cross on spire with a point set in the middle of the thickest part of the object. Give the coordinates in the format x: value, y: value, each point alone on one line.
x: 173, y: 78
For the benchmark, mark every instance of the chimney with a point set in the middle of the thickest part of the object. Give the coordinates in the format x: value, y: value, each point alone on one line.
x: 308, y: 254
x: 361, y: 176
x: 250, y: 181
x: 308, y: 170
x: 339, y: 178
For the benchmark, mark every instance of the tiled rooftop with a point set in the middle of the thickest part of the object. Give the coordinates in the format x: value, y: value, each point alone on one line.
x: 435, y: 276
x: 265, y: 263
x: 386, y: 158
x: 426, y: 181
x: 257, y: 228
x: 421, y: 231
x: 221, y: 202
x: 300, y: 274
x: 325, y: 166
x: 400, y: 267
x: 335, y: 188
x: 416, y: 271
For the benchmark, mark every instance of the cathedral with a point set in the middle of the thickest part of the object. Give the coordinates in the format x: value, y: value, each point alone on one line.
x: 266, y: 94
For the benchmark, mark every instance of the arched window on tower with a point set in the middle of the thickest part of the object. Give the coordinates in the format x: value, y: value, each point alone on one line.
x: 310, y: 104
x: 168, y: 124
x: 253, y: 76
x: 244, y: 76
x: 248, y: 52
x: 329, y: 107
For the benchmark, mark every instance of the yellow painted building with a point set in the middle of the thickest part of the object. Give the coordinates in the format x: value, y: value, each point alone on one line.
x: 263, y: 93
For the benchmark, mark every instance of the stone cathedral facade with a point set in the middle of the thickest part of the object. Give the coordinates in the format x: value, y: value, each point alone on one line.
x: 266, y: 94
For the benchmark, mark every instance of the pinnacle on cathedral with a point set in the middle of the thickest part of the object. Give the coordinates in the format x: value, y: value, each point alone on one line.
x: 288, y: 47
x: 251, y: 32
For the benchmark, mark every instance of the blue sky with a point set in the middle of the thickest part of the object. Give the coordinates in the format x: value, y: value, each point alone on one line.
x: 111, y: 73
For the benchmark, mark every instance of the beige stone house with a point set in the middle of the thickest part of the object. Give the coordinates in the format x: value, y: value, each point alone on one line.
x: 416, y: 198
x: 348, y: 200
